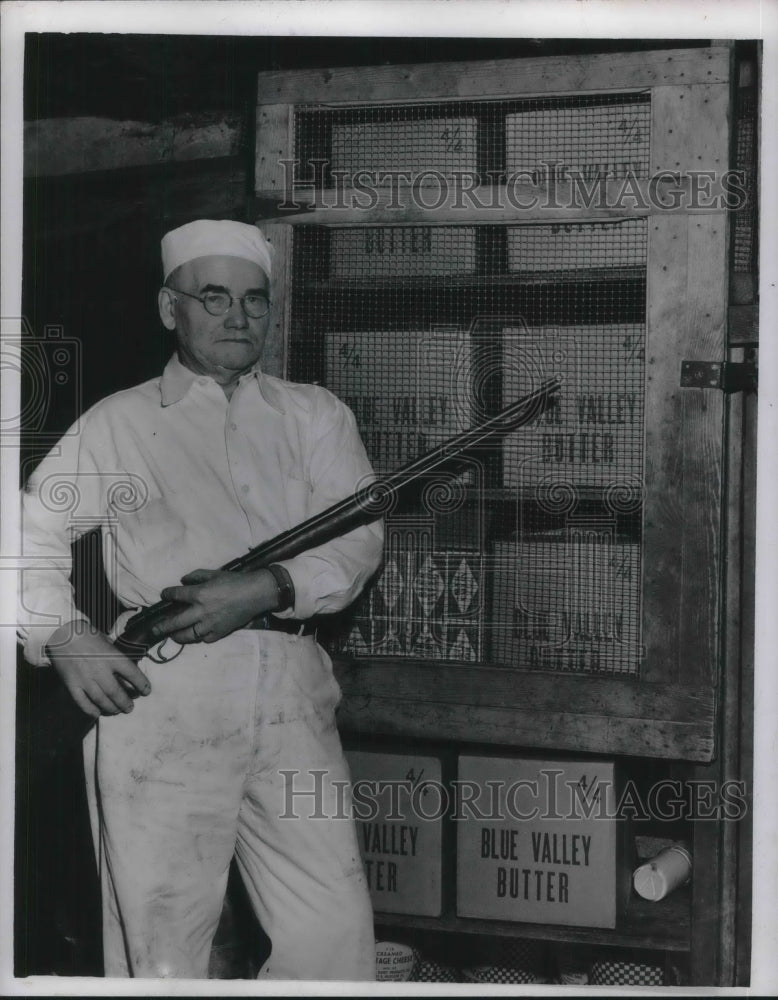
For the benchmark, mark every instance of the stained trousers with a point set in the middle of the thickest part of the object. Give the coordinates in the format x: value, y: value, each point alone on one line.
x: 234, y: 752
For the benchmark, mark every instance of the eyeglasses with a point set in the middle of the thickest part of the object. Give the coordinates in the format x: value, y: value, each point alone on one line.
x: 255, y: 305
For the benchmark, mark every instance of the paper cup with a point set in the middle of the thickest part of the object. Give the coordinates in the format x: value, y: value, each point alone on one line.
x: 664, y: 873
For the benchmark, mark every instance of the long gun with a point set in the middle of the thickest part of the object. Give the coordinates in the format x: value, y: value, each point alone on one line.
x: 66, y: 722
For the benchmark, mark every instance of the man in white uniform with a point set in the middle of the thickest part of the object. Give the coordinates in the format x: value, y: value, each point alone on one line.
x: 189, y: 470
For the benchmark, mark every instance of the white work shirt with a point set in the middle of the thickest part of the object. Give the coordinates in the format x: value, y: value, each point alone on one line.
x: 180, y: 478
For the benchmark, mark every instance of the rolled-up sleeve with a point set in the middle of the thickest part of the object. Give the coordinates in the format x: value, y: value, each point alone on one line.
x: 61, y: 500
x: 329, y: 577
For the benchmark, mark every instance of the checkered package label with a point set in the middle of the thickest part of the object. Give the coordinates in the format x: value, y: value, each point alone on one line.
x: 499, y: 974
x: 428, y: 971
x: 610, y: 973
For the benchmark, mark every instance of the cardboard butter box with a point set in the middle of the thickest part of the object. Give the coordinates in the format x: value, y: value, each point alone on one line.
x: 610, y: 139
x: 418, y: 147
x: 397, y: 807
x: 572, y: 606
x: 580, y: 246
x: 538, y: 842
x: 401, y: 252
x: 408, y: 390
x: 592, y: 436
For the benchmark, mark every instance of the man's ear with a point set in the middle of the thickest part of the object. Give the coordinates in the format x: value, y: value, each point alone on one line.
x: 167, y: 308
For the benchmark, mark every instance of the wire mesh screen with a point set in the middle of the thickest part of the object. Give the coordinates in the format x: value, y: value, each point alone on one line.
x: 593, y: 135
x: 528, y: 553
x: 744, y: 241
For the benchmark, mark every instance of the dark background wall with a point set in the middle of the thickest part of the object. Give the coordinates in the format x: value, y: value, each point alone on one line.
x: 91, y: 239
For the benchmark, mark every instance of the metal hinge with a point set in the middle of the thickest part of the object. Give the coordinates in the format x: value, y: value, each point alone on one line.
x: 729, y: 376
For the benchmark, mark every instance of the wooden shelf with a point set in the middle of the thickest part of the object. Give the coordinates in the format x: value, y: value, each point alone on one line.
x: 571, y: 274
x: 661, y: 926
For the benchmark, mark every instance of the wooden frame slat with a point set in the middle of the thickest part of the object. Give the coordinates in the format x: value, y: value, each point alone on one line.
x: 274, y: 144
x: 663, y: 517
x: 516, y: 708
x: 274, y: 354
x: 702, y: 449
x: 517, y: 203
x: 497, y: 78
x: 689, y: 128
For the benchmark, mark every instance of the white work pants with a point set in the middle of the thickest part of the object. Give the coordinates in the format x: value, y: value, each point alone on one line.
x: 194, y: 775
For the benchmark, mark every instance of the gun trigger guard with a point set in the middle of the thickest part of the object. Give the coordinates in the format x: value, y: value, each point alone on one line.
x: 157, y: 655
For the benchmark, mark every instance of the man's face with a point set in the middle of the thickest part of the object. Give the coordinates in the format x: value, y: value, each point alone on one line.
x: 219, y: 346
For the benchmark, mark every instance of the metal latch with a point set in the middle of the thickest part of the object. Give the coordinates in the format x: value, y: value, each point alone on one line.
x: 729, y: 376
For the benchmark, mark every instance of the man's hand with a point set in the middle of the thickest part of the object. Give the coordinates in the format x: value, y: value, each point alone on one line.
x: 100, y: 680
x: 218, y: 602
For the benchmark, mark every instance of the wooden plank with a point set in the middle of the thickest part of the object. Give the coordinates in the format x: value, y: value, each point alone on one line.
x: 496, y: 78
x: 645, y: 925
x: 275, y: 349
x: 529, y: 716
x: 663, y: 515
x: 745, y: 722
x: 686, y: 740
x: 706, y: 956
x: 689, y: 132
x: 274, y: 145
x: 729, y: 756
x: 57, y: 146
x: 701, y: 446
x: 502, y: 687
x: 454, y: 202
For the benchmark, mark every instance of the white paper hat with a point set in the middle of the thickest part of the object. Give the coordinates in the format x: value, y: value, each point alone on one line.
x: 207, y: 237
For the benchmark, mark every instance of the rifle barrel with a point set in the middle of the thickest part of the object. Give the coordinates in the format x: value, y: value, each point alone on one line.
x: 362, y: 507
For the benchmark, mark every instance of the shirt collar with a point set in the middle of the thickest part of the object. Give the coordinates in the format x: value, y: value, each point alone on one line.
x: 177, y: 380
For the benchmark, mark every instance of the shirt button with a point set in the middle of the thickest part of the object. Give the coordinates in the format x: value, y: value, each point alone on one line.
x: 244, y: 489
x: 233, y: 427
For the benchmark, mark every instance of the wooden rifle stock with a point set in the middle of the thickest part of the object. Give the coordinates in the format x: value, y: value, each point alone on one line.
x: 364, y: 506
